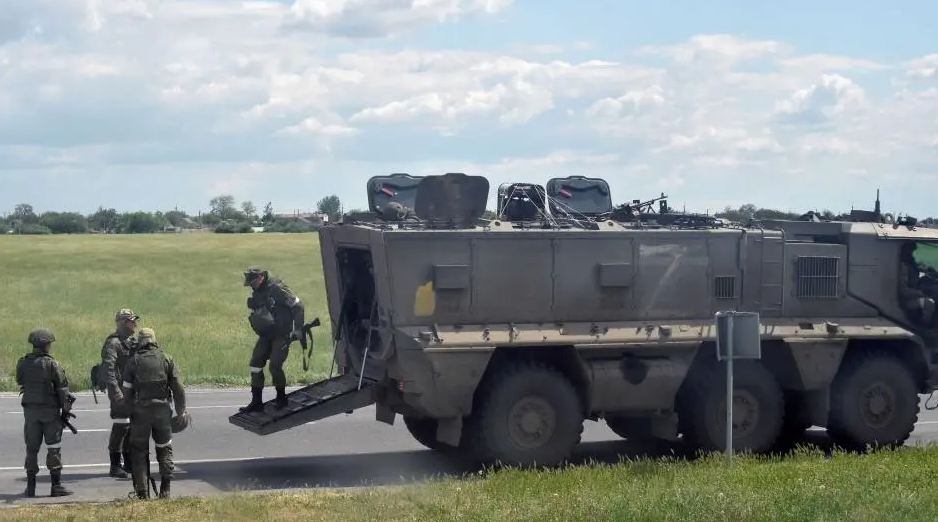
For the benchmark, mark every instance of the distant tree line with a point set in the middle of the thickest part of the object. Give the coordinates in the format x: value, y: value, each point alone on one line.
x: 225, y: 216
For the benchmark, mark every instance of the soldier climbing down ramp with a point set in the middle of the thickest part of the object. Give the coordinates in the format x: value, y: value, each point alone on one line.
x: 277, y: 319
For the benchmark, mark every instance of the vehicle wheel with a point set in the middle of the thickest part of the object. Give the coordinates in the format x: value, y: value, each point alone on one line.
x: 758, y: 408
x: 424, y: 431
x: 526, y: 415
x: 874, y: 403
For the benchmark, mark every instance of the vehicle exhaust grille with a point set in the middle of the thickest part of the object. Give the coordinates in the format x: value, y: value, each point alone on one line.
x: 817, y: 277
x: 725, y: 287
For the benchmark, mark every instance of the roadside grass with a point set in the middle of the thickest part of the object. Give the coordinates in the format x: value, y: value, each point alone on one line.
x: 887, y: 485
x: 188, y: 287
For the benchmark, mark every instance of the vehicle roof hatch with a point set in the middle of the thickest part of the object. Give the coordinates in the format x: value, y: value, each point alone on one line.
x: 454, y: 199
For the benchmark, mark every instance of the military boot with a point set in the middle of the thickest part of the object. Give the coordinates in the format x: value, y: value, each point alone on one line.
x: 116, y: 470
x: 164, y: 487
x: 30, y: 485
x: 281, y: 401
x: 58, y: 490
x: 257, y: 401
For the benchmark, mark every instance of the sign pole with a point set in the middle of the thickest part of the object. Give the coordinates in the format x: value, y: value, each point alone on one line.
x: 729, y: 387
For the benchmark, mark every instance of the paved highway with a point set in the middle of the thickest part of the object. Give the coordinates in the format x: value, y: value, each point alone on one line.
x: 213, y: 456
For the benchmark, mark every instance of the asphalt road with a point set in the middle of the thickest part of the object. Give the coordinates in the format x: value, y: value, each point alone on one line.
x: 214, y: 457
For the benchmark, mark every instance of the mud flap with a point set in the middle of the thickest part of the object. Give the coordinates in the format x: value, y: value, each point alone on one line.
x: 315, y: 402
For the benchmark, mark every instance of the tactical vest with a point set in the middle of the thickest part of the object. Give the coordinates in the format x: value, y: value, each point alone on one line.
x: 35, y: 370
x: 151, y: 378
x: 269, y: 316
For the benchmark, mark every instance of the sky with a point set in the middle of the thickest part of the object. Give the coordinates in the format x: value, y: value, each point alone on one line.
x: 146, y: 104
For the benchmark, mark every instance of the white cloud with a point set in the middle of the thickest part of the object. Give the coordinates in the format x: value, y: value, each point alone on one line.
x: 383, y: 17
x: 721, y: 48
x: 924, y: 67
x: 628, y: 104
x: 830, y: 97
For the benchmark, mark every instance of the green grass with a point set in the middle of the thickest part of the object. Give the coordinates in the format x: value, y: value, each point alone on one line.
x: 893, y: 486
x: 188, y: 287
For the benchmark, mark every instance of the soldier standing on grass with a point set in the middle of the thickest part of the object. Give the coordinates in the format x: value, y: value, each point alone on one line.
x: 151, y: 382
x: 46, y: 400
x: 277, y: 318
x: 118, y: 349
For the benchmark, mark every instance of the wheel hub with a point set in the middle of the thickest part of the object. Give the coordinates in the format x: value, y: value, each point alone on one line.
x: 745, y: 413
x: 878, y: 404
x: 531, y: 422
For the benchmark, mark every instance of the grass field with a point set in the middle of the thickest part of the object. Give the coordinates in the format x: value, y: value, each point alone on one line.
x: 894, y: 486
x: 188, y: 287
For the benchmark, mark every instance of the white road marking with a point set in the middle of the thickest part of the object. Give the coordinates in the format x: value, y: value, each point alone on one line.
x: 230, y: 406
x: 178, y: 462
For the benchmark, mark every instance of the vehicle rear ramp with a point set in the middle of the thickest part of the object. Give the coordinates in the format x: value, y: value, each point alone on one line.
x: 314, y: 402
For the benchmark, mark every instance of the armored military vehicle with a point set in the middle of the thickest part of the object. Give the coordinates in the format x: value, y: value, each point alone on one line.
x: 501, y: 338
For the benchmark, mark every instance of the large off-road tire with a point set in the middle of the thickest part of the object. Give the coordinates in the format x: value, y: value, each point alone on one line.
x: 526, y: 414
x: 424, y: 431
x: 758, y: 408
x: 874, y: 403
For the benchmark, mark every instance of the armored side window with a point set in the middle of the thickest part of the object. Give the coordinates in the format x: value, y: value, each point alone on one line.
x: 817, y: 277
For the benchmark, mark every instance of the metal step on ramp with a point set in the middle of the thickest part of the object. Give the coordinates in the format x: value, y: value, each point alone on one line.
x: 315, y: 402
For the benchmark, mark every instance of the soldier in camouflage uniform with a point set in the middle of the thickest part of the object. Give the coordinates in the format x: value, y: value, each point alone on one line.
x: 277, y: 317
x: 151, y: 382
x: 117, y: 350
x: 45, y: 392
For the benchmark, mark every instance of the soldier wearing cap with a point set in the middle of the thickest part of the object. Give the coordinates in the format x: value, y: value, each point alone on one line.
x: 151, y: 382
x: 45, y: 392
x: 277, y: 318
x: 117, y: 350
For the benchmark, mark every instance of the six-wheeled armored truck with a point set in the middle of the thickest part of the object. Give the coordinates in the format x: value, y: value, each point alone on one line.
x: 502, y: 336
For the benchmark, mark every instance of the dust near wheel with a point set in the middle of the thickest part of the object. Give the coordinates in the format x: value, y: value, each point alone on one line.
x: 526, y: 415
x: 758, y: 408
x: 874, y: 403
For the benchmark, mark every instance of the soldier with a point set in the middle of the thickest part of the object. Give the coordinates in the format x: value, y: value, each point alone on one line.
x: 151, y: 381
x: 46, y: 400
x: 277, y: 317
x: 117, y: 350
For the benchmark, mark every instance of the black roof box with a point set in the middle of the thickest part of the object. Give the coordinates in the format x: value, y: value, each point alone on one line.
x: 579, y: 195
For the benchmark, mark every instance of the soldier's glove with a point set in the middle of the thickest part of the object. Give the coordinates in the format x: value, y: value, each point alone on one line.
x: 297, y: 335
x: 250, y: 303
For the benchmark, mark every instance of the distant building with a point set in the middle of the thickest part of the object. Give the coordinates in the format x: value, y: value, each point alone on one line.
x: 309, y: 218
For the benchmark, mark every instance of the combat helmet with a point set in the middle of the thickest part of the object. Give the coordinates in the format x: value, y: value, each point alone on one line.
x: 146, y: 336
x: 41, y: 337
x: 179, y: 423
x: 253, y: 273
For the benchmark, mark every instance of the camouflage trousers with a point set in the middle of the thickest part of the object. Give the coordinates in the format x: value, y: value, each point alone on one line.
x: 151, y: 421
x: 119, y: 441
x: 42, y: 423
x: 273, y: 349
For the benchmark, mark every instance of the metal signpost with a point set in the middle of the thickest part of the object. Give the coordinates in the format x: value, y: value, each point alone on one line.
x: 738, y: 337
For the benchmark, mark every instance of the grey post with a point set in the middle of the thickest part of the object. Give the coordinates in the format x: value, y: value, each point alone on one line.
x: 729, y: 386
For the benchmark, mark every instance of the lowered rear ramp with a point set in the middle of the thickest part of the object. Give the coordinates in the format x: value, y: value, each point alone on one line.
x: 314, y: 402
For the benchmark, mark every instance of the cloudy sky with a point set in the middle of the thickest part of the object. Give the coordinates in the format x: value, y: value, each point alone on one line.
x: 142, y: 104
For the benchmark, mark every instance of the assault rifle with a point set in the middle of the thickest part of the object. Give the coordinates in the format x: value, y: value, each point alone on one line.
x: 66, y: 415
x: 306, y: 341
